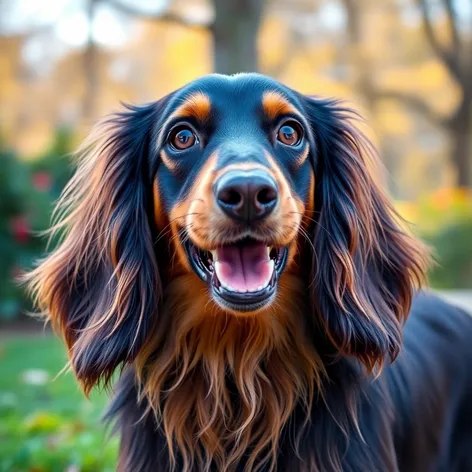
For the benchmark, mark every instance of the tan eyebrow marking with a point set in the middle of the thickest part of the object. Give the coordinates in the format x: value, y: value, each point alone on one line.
x: 197, y: 105
x: 275, y: 104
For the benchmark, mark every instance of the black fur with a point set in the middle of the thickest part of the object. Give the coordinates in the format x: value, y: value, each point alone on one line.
x: 416, y: 417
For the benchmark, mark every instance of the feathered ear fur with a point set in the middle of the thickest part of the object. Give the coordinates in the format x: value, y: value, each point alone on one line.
x: 101, y: 286
x: 365, y: 266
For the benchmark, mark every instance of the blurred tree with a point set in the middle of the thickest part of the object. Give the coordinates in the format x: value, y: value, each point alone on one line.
x: 356, y: 56
x: 234, y: 30
x: 143, y: 49
x: 457, y: 58
x: 234, y: 33
x: 455, y: 55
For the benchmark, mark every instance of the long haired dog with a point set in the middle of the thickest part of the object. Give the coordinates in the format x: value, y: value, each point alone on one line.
x: 227, y: 251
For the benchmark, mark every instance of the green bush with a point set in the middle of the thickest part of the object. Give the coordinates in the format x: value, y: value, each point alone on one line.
x: 443, y: 219
x: 453, y: 251
x: 28, y: 190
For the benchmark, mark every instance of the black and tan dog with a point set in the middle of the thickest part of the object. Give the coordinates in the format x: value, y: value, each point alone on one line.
x: 227, y: 249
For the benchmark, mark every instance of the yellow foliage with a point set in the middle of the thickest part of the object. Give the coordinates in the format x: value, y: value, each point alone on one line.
x: 34, y: 139
x: 322, y: 55
x: 438, y: 209
x: 433, y: 75
x: 392, y: 119
x: 274, y: 41
x: 301, y: 75
x: 186, y: 57
x: 428, y: 80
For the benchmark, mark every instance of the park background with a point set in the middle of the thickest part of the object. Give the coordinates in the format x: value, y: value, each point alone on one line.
x: 406, y: 65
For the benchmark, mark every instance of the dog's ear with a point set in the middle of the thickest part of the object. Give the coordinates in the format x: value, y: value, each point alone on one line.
x: 365, y: 267
x: 101, y: 287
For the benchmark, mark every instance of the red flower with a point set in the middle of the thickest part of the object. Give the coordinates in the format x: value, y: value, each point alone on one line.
x: 20, y: 229
x: 42, y: 181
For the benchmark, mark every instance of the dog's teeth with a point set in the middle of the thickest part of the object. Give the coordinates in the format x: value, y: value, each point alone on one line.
x: 268, y: 249
x: 224, y: 285
x: 213, y: 255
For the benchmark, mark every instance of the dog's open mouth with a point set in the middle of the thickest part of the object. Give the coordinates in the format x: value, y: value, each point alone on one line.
x: 243, y: 275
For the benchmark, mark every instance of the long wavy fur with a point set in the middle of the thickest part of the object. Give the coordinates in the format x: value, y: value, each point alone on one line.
x: 366, y: 267
x: 222, y: 389
x: 101, y: 288
x: 221, y: 385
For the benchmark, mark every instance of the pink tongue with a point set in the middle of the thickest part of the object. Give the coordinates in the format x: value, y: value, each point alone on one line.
x: 244, y: 267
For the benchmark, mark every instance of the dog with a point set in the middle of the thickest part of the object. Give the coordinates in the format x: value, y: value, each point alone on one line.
x: 227, y: 253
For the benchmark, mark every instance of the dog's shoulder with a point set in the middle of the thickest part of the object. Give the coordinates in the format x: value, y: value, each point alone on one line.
x: 433, y: 367
x: 430, y: 381
x: 438, y: 325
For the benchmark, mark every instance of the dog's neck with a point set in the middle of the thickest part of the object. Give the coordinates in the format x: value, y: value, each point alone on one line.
x: 232, y: 382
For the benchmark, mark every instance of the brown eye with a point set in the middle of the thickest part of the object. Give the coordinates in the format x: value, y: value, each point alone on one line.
x: 289, y: 133
x: 183, y: 138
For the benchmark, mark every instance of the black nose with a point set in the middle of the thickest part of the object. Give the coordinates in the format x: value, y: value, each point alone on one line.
x: 246, y: 195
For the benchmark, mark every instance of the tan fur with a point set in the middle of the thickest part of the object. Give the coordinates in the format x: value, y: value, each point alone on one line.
x: 274, y: 105
x: 208, y: 227
x: 184, y: 371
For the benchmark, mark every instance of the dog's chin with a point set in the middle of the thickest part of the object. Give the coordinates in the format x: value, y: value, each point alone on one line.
x: 242, y: 276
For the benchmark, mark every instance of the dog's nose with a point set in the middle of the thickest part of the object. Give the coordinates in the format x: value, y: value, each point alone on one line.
x: 246, y: 195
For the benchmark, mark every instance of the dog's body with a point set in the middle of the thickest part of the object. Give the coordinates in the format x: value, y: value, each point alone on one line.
x: 416, y: 417
x: 228, y: 247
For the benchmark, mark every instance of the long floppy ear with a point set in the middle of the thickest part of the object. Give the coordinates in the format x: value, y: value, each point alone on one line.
x: 101, y: 286
x: 365, y: 267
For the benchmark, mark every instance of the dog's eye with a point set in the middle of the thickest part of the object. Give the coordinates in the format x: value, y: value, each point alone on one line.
x: 289, y: 133
x: 182, y: 138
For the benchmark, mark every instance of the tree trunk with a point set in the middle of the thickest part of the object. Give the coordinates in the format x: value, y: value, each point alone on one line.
x: 460, y: 128
x: 235, y: 32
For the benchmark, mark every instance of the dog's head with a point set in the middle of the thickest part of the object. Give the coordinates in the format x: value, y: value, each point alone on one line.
x: 233, y: 198
x: 233, y: 185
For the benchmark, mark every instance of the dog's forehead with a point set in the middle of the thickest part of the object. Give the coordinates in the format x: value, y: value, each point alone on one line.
x: 237, y: 95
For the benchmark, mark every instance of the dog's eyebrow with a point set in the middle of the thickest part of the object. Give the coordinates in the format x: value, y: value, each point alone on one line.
x: 275, y: 104
x: 196, y: 105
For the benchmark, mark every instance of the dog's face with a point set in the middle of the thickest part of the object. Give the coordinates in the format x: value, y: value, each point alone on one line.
x: 233, y: 185
x: 208, y: 204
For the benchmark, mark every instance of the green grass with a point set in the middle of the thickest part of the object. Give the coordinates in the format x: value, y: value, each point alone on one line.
x: 46, y: 423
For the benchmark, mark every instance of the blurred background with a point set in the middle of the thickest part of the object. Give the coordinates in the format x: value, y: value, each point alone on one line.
x: 405, y: 64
